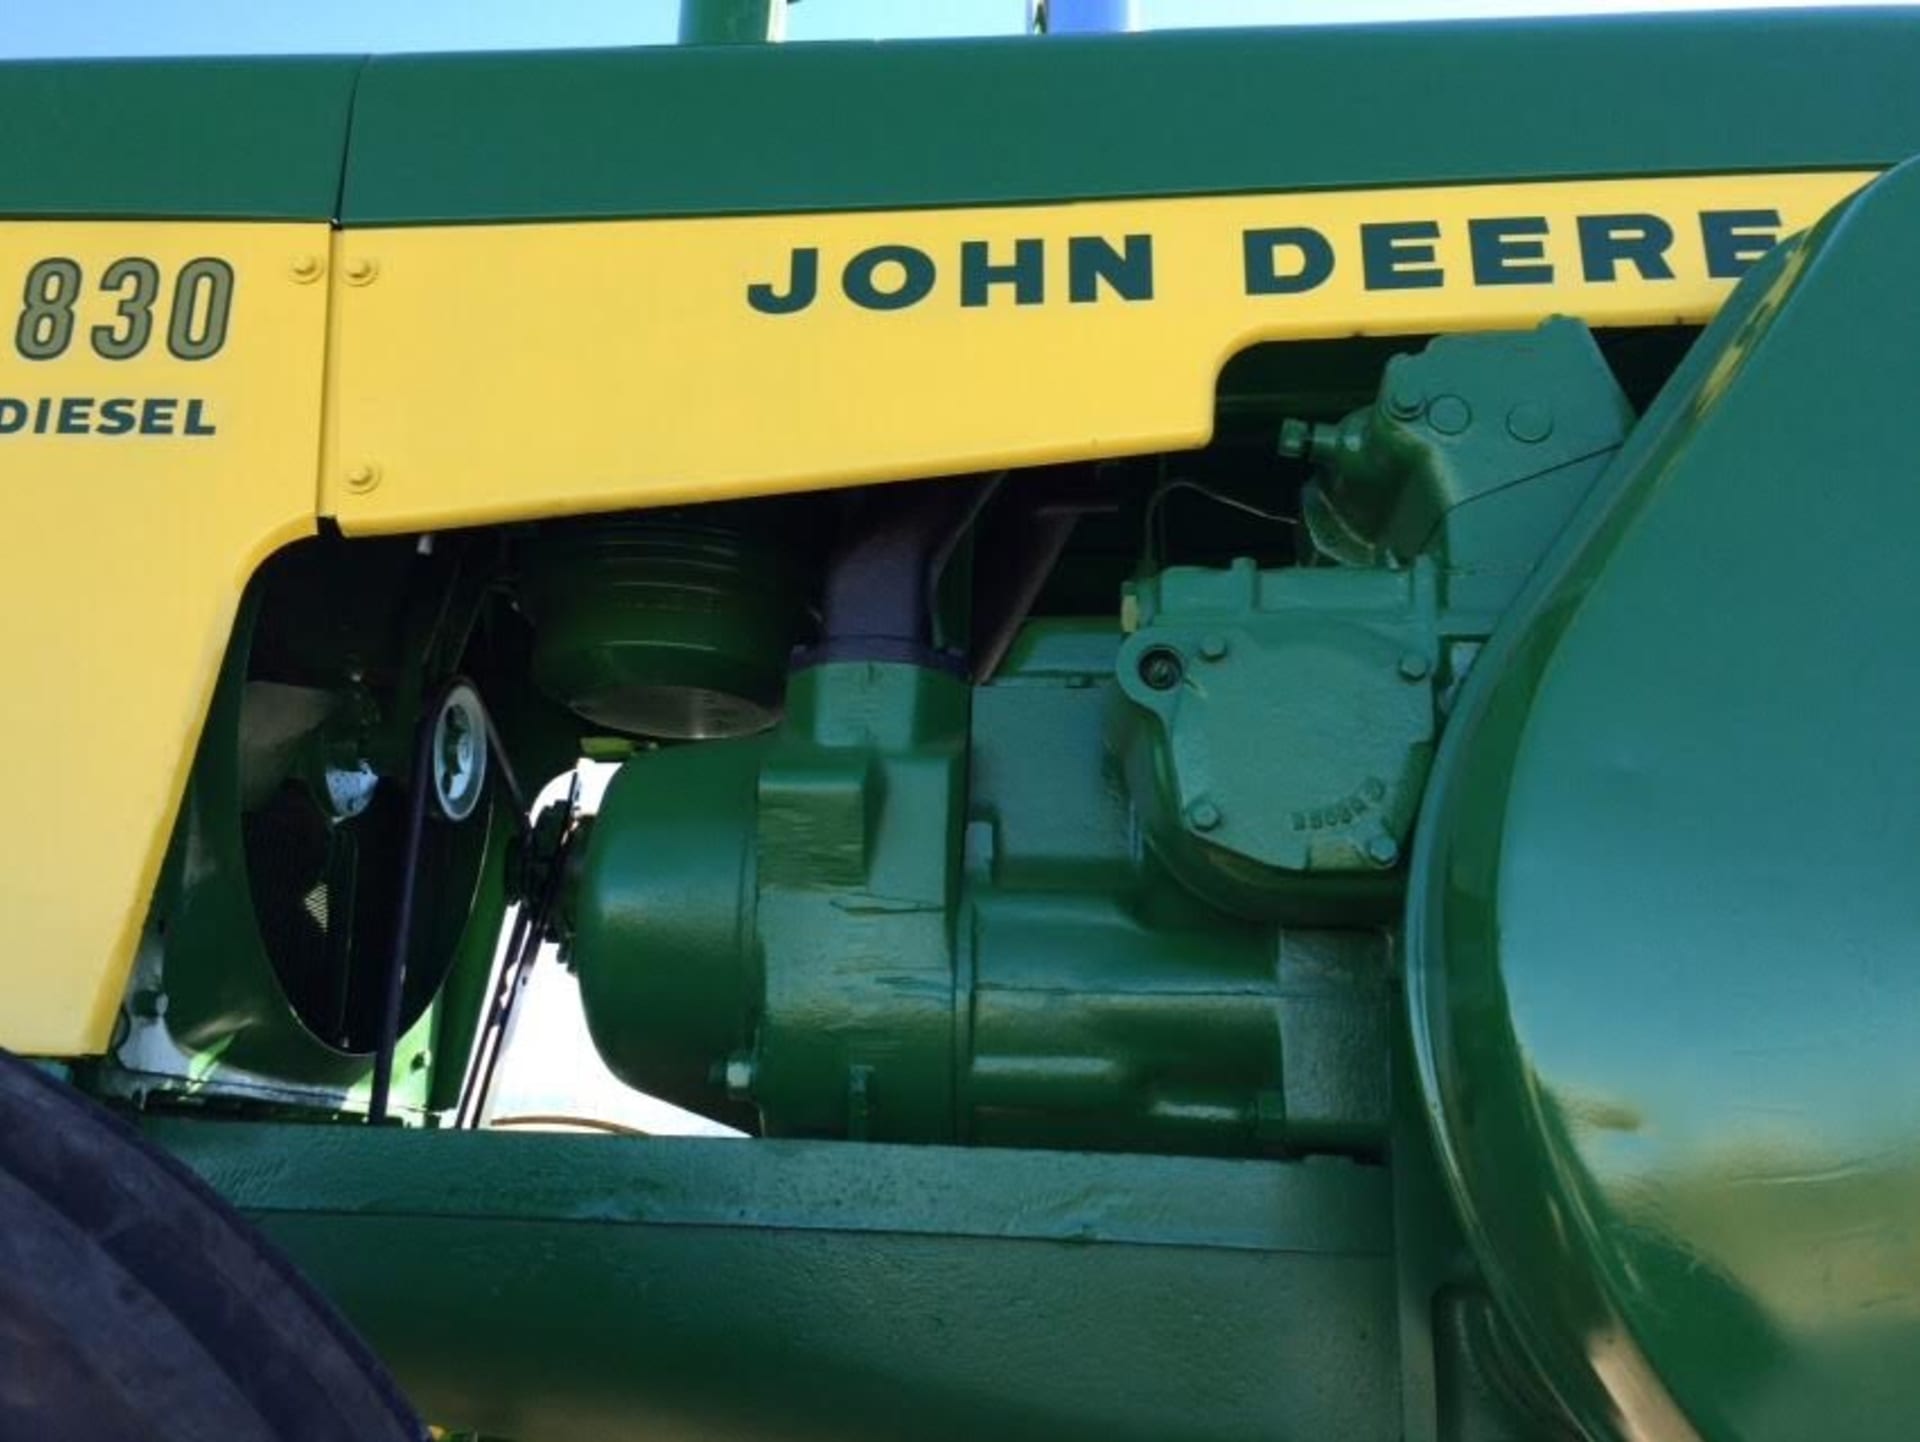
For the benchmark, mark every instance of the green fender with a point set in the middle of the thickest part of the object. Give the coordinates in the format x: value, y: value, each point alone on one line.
x: 1664, y: 943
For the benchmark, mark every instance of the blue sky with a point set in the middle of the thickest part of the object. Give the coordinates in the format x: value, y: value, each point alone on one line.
x: 173, y: 27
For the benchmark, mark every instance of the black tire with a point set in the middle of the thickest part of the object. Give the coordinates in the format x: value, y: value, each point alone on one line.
x: 136, y: 1304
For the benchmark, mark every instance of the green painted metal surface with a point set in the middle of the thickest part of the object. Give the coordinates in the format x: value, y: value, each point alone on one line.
x: 782, y: 903
x: 261, y: 969
x: 1284, y: 718
x: 1662, y: 943
x: 1277, y: 769
x: 211, y: 1000
x: 251, y: 139
x: 676, y: 625
x: 559, y: 1288
x: 824, y: 934
x: 1131, y: 895
x: 1450, y: 463
x: 1139, y: 892
x: 755, y: 130
x: 1110, y: 1006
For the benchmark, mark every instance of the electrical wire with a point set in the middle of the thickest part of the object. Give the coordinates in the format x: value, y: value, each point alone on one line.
x: 1155, y: 534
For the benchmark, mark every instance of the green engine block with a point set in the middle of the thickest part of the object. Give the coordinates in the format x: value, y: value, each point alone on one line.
x: 1135, y: 892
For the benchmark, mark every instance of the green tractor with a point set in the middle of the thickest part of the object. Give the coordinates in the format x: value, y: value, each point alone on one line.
x: 1211, y: 649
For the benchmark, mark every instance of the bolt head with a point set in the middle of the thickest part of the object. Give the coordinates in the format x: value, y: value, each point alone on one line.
x: 1530, y: 422
x: 363, y: 476
x: 305, y: 268
x: 739, y: 1076
x: 1213, y: 648
x: 1204, y: 816
x: 361, y: 270
x: 1160, y: 668
x: 1383, y: 850
x: 148, y: 1003
x: 1296, y: 439
x: 1414, y: 666
x: 1449, y: 415
x: 1405, y: 401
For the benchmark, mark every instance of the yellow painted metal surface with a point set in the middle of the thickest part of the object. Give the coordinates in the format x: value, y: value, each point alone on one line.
x: 129, y: 526
x: 489, y: 372
x: 475, y: 374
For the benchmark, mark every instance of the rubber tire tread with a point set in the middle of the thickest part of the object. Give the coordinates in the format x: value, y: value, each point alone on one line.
x: 135, y: 1302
